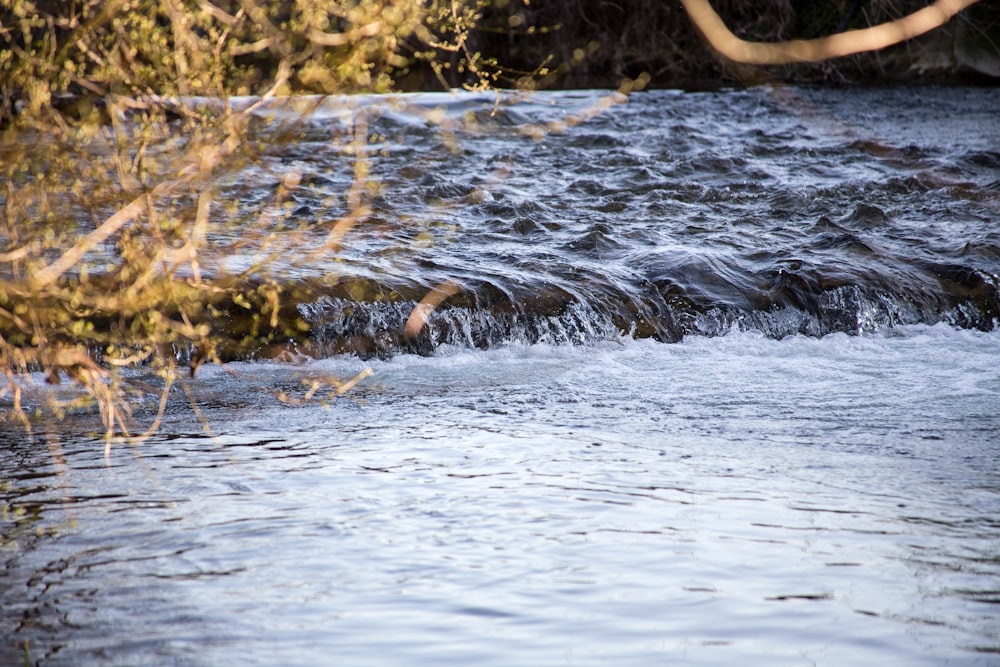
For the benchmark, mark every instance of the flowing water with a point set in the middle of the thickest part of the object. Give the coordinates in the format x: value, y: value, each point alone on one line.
x: 718, y: 385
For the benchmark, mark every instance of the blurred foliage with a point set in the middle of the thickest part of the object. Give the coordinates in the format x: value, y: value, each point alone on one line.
x: 224, y: 47
x: 116, y: 133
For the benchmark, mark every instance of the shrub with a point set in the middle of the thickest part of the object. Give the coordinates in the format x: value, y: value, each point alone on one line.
x: 120, y: 125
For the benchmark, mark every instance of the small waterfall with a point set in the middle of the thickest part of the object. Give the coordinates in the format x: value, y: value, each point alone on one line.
x: 376, y: 328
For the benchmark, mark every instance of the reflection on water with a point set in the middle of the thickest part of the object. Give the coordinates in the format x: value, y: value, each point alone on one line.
x: 734, y: 500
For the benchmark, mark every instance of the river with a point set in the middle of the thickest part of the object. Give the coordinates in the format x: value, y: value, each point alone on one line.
x: 719, y: 385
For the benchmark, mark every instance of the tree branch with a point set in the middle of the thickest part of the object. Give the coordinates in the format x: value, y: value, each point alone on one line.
x: 813, y: 50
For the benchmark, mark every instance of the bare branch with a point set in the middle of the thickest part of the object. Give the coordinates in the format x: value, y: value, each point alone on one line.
x: 344, y: 38
x: 824, y: 48
x: 418, y: 316
x: 205, y: 161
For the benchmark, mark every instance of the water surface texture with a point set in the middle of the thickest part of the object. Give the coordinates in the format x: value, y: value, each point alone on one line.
x: 773, y: 210
x: 720, y: 387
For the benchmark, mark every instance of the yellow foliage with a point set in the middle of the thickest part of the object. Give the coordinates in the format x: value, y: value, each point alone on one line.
x: 113, y: 241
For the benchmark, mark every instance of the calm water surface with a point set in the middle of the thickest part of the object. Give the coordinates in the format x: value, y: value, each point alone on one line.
x: 808, y: 474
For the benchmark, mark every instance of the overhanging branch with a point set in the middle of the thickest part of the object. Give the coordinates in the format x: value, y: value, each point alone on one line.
x: 824, y: 48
